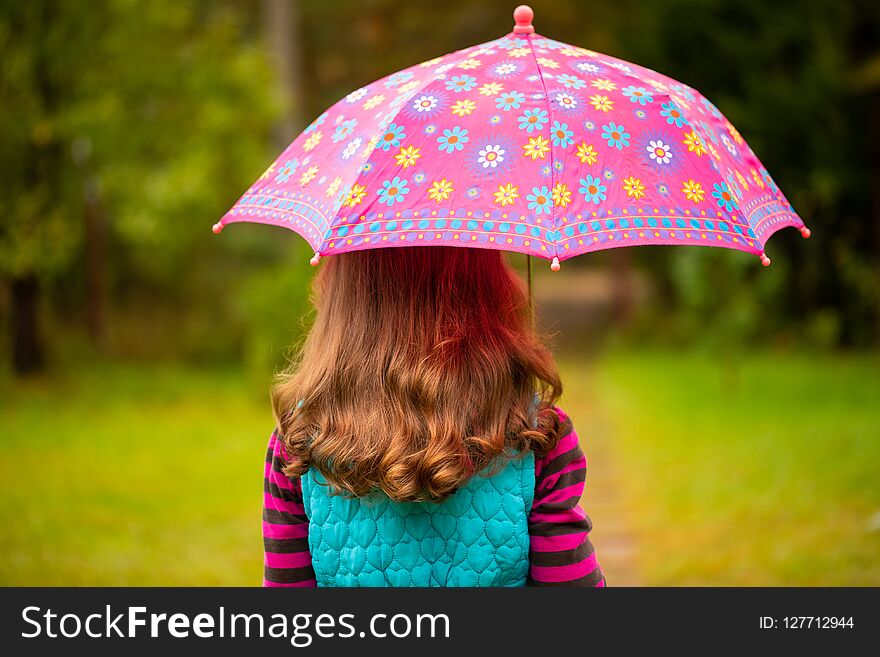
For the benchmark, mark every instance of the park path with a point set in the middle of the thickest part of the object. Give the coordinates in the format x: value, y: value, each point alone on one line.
x: 579, y: 308
x: 612, y: 535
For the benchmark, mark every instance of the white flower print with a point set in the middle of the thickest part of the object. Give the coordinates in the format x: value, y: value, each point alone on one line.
x: 659, y: 152
x: 355, y: 96
x: 566, y: 101
x: 351, y: 148
x: 491, y: 156
x: 424, y: 103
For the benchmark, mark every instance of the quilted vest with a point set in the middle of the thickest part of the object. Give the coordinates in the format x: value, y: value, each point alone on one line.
x: 478, y: 536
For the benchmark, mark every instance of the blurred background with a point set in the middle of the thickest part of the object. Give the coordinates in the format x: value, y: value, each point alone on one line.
x: 729, y: 412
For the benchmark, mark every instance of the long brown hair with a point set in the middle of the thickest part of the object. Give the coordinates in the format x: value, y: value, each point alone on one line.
x: 420, y: 370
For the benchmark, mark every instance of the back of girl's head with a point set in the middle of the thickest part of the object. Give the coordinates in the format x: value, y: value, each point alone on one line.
x: 420, y: 370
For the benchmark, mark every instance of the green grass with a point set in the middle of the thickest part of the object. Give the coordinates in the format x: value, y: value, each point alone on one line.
x: 132, y: 477
x: 766, y: 473
x: 756, y: 471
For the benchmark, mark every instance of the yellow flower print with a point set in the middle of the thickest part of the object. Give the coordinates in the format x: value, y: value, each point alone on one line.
x: 308, y: 176
x: 371, y: 144
x: 604, y: 85
x: 734, y: 133
x: 693, y: 191
x: 374, y: 101
x: 546, y: 62
x: 713, y: 151
x: 634, y: 187
x: 333, y: 187
x: 463, y: 107
x: 561, y: 195
x: 407, y: 156
x: 491, y: 89
x: 694, y: 143
x: 537, y: 147
x: 431, y: 62
x: 587, y: 154
x: 470, y: 64
x: 569, y: 52
x: 409, y: 86
x: 757, y: 178
x: 268, y: 172
x: 440, y: 190
x: 520, y: 52
x: 506, y: 194
x: 742, y: 180
x: 355, y: 196
x: 312, y: 140
x: 601, y: 103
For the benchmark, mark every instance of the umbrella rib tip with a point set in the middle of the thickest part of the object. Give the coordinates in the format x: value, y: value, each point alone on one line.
x: 555, y: 266
x: 764, y: 259
x: 806, y: 232
x: 217, y: 227
x: 315, y: 259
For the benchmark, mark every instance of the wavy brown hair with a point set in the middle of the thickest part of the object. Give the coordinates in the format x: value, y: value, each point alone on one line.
x: 420, y: 370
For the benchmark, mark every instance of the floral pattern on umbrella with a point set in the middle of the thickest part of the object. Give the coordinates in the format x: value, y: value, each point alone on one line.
x: 523, y: 144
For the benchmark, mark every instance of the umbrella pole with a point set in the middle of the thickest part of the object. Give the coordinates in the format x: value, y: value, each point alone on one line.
x: 529, y: 281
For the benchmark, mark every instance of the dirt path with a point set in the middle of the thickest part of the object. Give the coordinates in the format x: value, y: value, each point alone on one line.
x: 612, y: 535
x: 613, y: 532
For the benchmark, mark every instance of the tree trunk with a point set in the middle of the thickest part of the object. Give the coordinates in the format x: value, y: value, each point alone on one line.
x: 95, y: 257
x: 28, y: 356
x: 281, y: 24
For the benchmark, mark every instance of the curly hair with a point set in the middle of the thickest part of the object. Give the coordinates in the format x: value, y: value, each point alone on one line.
x: 421, y: 370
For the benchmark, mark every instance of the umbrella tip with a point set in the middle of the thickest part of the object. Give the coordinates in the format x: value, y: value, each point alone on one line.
x: 554, y: 266
x: 315, y: 259
x: 764, y: 259
x: 217, y: 227
x: 522, y: 17
x: 806, y: 232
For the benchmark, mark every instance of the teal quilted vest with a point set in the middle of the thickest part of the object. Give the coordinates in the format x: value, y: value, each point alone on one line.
x: 478, y: 536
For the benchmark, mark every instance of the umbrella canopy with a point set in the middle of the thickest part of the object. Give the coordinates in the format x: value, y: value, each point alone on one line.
x: 521, y: 144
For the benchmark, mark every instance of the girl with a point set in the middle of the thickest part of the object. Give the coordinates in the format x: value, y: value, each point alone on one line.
x: 418, y: 442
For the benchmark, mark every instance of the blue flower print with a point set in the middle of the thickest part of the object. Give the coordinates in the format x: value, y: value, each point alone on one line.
x: 592, y: 189
x: 510, y: 100
x: 508, y: 44
x: 638, y: 95
x: 533, y: 119
x: 392, y: 136
x: 393, y: 191
x: 314, y: 125
x: 562, y: 136
x: 570, y: 81
x: 458, y: 83
x: 540, y: 200
x: 723, y: 197
x: 453, y: 139
x: 396, y: 79
x: 673, y: 114
x: 616, y: 135
x: 287, y: 170
x: 344, y: 129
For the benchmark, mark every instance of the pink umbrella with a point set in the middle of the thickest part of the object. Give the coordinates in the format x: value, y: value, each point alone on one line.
x: 521, y: 144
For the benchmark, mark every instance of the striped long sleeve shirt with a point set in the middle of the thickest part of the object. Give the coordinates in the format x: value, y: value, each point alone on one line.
x: 560, y: 554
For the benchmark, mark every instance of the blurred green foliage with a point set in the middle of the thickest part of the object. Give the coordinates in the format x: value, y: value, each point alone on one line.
x: 129, y: 127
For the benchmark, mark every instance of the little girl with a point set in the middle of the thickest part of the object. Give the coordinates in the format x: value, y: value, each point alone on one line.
x: 418, y: 442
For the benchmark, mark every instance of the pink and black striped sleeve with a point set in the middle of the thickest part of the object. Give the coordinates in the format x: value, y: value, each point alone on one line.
x: 287, y: 560
x: 561, y: 553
